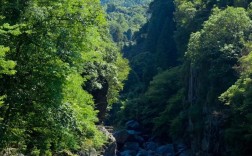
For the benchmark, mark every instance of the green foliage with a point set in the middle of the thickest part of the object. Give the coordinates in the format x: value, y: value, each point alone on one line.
x: 211, y: 42
x: 7, y: 66
x: 172, y: 117
x: 189, y: 16
x: 155, y: 49
x: 161, y: 91
x: 213, y: 52
x: 220, y: 40
x: 124, y: 18
x: 127, y: 3
x: 238, y: 97
x: 52, y: 43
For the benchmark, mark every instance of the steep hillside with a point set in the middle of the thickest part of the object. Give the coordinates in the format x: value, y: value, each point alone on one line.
x: 191, y: 76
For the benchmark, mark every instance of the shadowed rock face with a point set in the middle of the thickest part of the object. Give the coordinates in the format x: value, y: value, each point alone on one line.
x: 100, y: 99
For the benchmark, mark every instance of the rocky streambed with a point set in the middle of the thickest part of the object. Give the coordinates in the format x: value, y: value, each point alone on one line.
x: 131, y: 141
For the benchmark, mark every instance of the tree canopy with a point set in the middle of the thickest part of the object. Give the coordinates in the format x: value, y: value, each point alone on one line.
x: 50, y: 51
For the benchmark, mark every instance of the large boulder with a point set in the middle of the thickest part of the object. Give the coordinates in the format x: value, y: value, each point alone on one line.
x: 134, y: 132
x: 151, y: 146
x: 166, y: 150
x: 111, y: 150
x: 128, y: 153
x: 151, y: 153
x: 142, y: 152
x: 110, y: 147
x: 121, y: 136
x: 131, y: 146
x: 139, y: 139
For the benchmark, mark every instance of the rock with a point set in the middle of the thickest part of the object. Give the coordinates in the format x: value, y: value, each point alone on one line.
x: 133, y: 132
x: 167, y: 150
x: 151, y: 146
x: 182, y: 150
x: 142, y: 152
x: 92, y: 152
x: 121, y: 136
x: 111, y: 146
x: 110, y: 150
x: 132, y: 125
x: 80, y: 153
x: 151, y: 153
x: 181, y: 147
x: 139, y: 139
x: 131, y: 146
x: 128, y: 153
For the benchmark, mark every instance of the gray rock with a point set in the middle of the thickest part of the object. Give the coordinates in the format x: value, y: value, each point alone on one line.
x: 133, y: 132
x: 111, y: 150
x: 167, y: 150
x: 151, y: 153
x: 142, y: 152
x: 139, y: 139
x: 111, y: 146
x: 128, y: 153
x: 131, y: 146
x: 92, y: 152
x: 151, y: 146
x: 121, y: 136
x: 133, y: 125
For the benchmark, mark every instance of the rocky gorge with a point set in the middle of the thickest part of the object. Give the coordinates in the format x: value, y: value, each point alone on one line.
x: 132, y: 141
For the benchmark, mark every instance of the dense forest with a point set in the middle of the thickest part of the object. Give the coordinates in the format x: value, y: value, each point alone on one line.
x: 57, y: 61
x: 190, y: 78
x: 177, y: 71
x: 125, y: 18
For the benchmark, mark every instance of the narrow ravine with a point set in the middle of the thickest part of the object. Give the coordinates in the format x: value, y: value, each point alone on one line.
x: 133, y: 141
x: 125, y: 78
